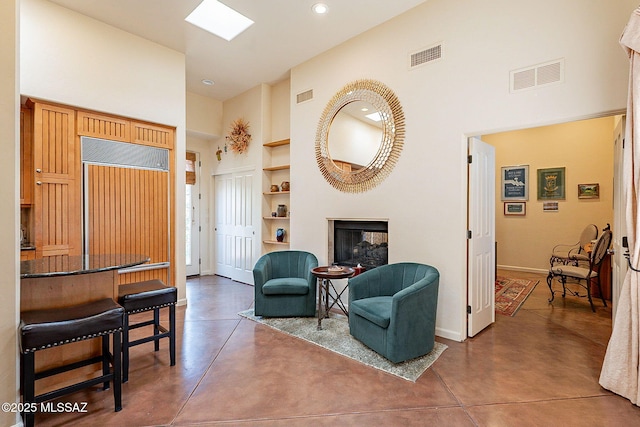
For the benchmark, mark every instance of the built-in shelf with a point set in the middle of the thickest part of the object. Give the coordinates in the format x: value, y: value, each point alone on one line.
x: 275, y: 242
x: 275, y: 152
x: 277, y: 143
x: 277, y: 168
x: 271, y: 193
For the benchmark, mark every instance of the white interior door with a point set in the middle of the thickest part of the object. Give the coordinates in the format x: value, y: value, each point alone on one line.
x: 192, y: 222
x: 235, y: 231
x: 618, y: 262
x: 481, y: 244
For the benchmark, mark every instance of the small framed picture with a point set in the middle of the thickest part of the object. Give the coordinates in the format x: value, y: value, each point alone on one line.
x: 515, y: 208
x: 550, y: 206
x: 588, y: 191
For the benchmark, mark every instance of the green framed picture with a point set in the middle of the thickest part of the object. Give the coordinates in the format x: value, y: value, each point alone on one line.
x: 551, y: 184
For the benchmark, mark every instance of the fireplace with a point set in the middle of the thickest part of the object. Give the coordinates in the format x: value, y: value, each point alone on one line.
x: 363, y: 243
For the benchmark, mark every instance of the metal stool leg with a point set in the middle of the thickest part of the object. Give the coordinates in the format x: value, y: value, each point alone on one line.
x: 125, y: 349
x: 172, y: 334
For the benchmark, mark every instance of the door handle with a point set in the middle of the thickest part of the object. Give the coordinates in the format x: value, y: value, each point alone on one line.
x: 38, y: 182
x: 39, y: 170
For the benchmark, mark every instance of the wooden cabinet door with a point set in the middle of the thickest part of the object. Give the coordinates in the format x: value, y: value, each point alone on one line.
x: 57, y: 194
x: 26, y: 156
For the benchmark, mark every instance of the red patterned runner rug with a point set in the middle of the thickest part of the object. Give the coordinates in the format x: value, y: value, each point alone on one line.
x: 512, y: 293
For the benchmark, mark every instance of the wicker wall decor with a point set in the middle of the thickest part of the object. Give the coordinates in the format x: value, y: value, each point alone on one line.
x: 387, y: 104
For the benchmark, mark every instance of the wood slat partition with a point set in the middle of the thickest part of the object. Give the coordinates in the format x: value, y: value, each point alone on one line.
x: 128, y: 212
x: 155, y: 136
x: 103, y: 126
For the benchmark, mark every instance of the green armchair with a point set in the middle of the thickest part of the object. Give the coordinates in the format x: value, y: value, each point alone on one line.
x: 284, y: 285
x: 392, y: 309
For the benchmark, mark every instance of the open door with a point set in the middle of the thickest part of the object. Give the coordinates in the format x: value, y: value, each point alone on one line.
x: 481, y: 236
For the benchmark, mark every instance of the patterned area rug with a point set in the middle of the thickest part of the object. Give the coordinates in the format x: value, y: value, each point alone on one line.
x: 335, y: 336
x: 512, y: 293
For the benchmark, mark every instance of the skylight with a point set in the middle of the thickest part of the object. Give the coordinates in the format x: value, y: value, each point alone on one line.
x: 218, y: 19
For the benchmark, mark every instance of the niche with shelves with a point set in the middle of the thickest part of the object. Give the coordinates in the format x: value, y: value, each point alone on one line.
x: 276, y: 171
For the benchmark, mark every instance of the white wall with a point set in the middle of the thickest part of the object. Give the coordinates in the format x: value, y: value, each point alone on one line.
x: 9, y: 211
x: 465, y: 93
x: 204, y: 116
x: 69, y: 58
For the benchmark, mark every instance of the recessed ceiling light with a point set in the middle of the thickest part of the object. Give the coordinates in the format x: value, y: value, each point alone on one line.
x: 218, y: 19
x: 207, y: 82
x: 320, y: 8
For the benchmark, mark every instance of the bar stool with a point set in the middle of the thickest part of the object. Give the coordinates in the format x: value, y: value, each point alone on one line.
x: 145, y: 296
x: 41, y: 329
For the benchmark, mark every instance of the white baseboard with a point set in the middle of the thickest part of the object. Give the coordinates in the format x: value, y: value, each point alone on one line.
x: 525, y: 269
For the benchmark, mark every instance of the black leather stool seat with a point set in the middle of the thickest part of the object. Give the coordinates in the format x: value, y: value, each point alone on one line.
x: 42, y: 329
x: 146, y: 296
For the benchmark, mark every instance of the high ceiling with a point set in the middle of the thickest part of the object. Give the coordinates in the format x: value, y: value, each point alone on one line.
x: 285, y: 34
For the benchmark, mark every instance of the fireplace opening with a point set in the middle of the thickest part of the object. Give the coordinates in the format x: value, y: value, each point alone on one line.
x: 363, y: 243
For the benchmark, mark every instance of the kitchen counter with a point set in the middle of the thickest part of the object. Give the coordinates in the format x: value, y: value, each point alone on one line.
x: 65, y: 265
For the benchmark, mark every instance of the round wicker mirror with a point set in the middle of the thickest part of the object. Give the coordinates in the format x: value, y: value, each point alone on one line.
x: 386, y: 121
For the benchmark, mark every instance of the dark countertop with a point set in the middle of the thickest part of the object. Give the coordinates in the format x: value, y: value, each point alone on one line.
x: 65, y: 265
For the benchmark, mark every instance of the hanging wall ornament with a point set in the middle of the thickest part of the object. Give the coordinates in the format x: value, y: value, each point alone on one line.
x: 239, y: 136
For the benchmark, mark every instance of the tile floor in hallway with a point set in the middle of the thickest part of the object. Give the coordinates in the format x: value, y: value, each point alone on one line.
x: 538, y: 368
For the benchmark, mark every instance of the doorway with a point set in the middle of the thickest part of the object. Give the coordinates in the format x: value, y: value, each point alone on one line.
x: 192, y: 215
x: 585, y: 148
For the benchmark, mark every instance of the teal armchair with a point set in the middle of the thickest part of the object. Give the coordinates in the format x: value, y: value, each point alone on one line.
x: 392, y: 309
x: 284, y: 285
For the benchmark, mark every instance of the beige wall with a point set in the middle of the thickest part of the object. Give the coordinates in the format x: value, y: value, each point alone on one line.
x: 465, y: 93
x: 9, y: 216
x: 204, y: 116
x: 585, y: 149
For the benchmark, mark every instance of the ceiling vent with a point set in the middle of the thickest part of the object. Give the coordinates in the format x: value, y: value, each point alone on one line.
x: 304, y: 96
x: 425, y: 56
x: 537, y: 76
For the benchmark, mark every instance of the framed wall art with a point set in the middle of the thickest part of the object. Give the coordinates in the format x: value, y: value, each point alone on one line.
x: 515, y: 182
x: 551, y: 184
x: 515, y: 208
x: 588, y: 191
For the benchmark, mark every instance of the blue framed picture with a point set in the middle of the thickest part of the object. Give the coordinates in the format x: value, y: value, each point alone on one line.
x: 515, y: 182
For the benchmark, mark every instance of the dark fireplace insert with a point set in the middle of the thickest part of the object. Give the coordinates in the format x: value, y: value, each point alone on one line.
x: 361, y: 242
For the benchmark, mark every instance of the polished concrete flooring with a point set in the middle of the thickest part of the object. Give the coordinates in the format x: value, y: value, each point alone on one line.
x: 538, y: 368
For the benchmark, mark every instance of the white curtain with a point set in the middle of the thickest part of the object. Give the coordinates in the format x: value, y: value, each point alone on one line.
x: 620, y: 370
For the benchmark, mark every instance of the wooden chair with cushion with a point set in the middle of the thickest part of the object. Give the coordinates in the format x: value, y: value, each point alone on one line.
x: 582, y: 273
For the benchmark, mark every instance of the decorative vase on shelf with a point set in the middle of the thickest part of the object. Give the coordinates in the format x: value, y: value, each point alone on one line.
x: 285, y: 186
x: 274, y: 188
x: 280, y: 234
x: 282, y: 210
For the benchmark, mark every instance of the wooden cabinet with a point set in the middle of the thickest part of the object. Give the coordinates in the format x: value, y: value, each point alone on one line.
x: 56, y: 175
x: 26, y: 156
x: 276, y: 171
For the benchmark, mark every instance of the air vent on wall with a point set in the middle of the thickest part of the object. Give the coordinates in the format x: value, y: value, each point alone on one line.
x: 536, y: 76
x: 304, y: 96
x: 425, y: 56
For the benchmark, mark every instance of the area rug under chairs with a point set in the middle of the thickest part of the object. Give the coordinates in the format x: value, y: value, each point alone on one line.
x: 512, y: 293
x: 335, y: 336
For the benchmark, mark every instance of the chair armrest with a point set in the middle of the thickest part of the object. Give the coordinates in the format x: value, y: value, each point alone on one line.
x: 261, y: 272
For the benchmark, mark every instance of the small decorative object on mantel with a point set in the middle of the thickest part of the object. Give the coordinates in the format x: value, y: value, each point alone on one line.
x: 285, y: 185
x: 280, y: 232
x: 239, y: 136
x: 274, y: 188
x: 282, y: 210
